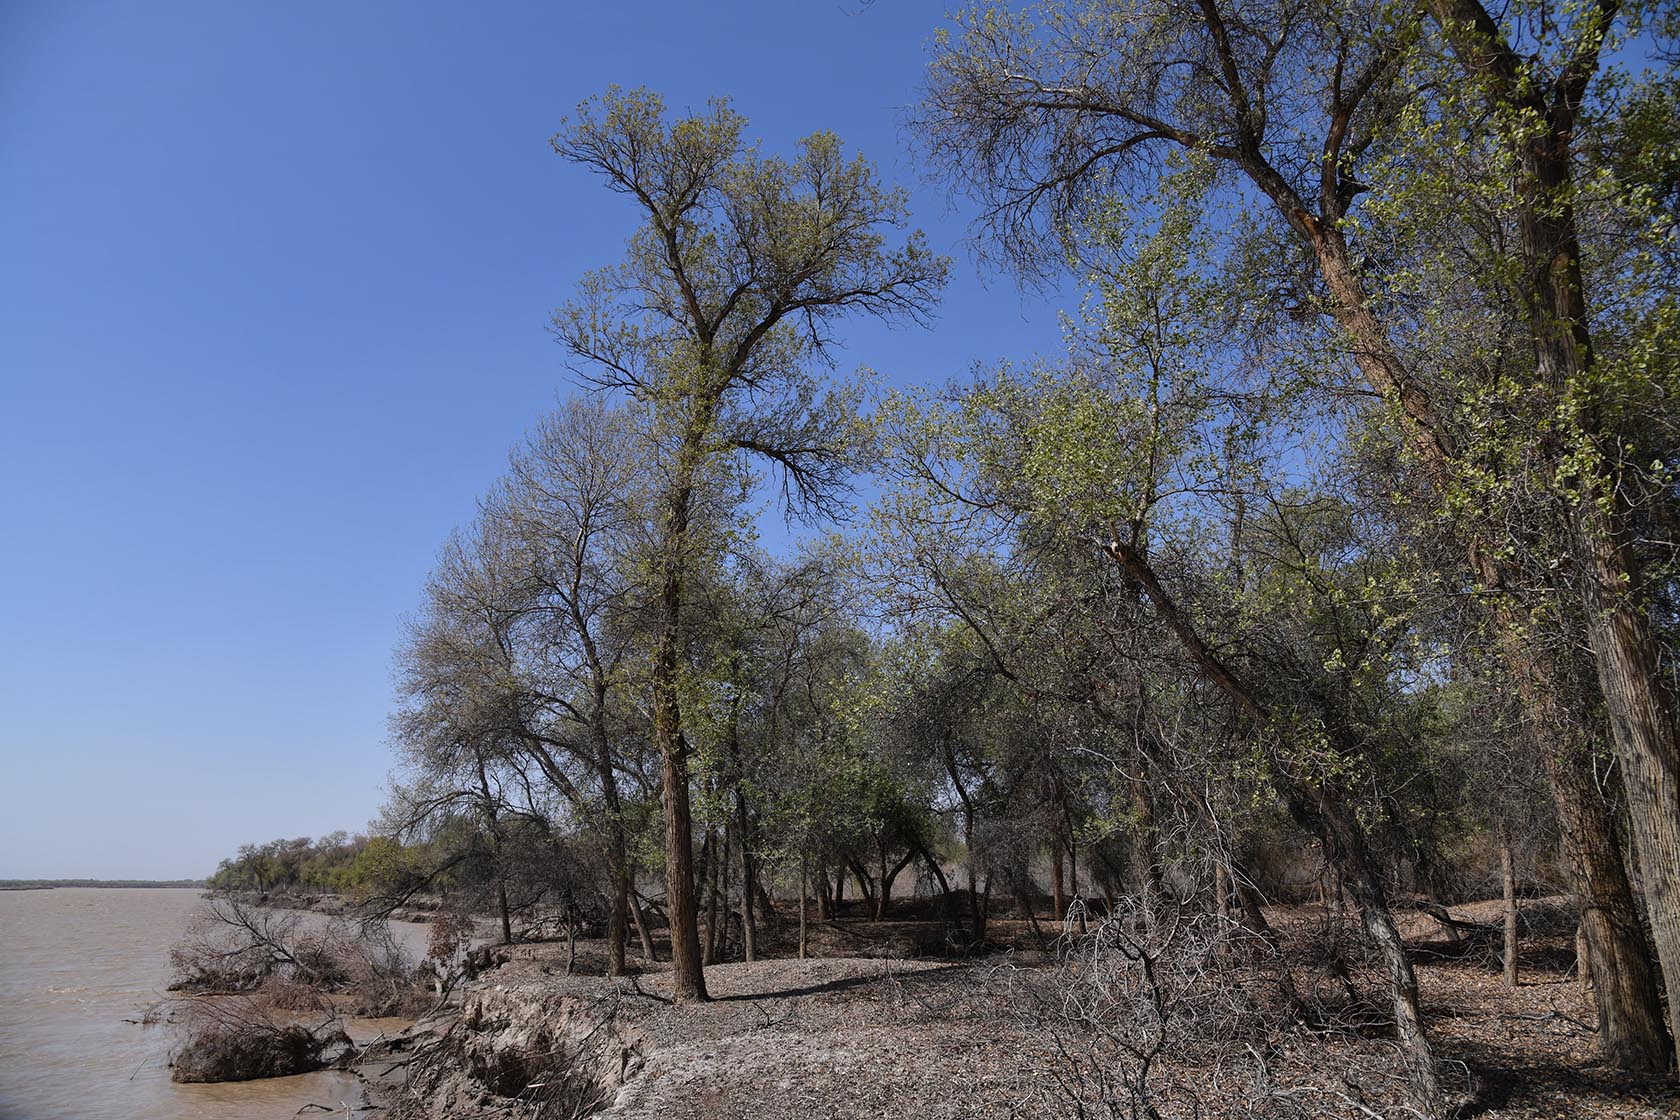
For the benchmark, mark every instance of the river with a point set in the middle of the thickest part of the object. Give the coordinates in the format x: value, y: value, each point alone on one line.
x: 76, y: 965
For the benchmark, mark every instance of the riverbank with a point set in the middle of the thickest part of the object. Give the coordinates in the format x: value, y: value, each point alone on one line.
x: 877, y: 1036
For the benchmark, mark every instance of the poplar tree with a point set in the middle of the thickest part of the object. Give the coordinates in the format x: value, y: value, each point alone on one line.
x: 719, y: 320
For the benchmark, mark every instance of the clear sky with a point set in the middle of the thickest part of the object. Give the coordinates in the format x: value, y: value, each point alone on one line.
x: 274, y: 281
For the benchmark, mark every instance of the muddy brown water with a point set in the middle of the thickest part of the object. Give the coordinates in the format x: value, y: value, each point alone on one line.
x: 75, y: 964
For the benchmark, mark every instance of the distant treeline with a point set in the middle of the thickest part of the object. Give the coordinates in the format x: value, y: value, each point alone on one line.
x: 48, y: 884
x: 338, y: 863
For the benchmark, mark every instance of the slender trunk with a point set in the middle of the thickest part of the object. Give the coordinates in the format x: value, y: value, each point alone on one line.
x: 744, y: 833
x: 649, y: 954
x: 618, y: 845
x: 749, y: 932
x: 884, y: 891
x: 889, y: 875
x: 803, y: 891
x: 1508, y: 880
x: 502, y: 907
x: 865, y: 884
x: 1363, y: 881
x: 707, y: 863
x: 951, y: 914
x: 1058, y: 892
x: 714, y: 905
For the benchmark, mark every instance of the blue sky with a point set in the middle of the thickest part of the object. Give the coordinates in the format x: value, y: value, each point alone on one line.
x: 274, y: 282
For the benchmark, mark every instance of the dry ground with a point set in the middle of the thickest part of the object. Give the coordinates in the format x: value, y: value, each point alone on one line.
x: 862, y: 1031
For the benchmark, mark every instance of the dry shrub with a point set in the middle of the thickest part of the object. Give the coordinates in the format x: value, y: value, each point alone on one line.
x: 1158, y: 1012
x: 451, y: 932
x: 380, y: 980
x: 283, y: 994
x: 231, y: 947
x: 235, y: 1038
x: 293, y: 960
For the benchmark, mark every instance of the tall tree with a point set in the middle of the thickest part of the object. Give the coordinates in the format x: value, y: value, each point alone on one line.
x: 1046, y: 114
x: 723, y: 305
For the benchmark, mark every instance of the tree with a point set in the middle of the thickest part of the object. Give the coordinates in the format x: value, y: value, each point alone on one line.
x: 574, y: 497
x: 1047, y: 115
x: 742, y: 266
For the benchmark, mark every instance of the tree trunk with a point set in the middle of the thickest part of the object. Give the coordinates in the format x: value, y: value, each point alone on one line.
x: 649, y: 953
x: 682, y: 907
x: 502, y: 908
x: 714, y: 906
x: 1642, y: 722
x: 1348, y: 847
x: 865, y: 884
x: 618, y: 921
x: 1625, y: 651
x: 1508, y: 880
x: 749, y: 931
x: 938, y: 873
x: 688, y: 977
x: 1629, y: 1009
x: 803, y: 891
x: 1058, y: 891
x: 889, y: 875
x: 1145, y: 871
